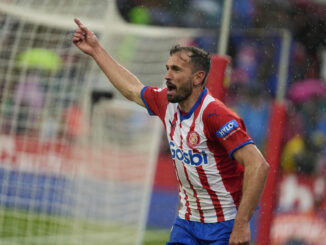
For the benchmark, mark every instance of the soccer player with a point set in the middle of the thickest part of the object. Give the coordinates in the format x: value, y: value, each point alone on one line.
x: 220, y: 171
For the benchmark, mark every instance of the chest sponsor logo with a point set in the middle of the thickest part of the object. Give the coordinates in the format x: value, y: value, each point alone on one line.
x: 193, y: 139
x: 227, y: 128
x: 188, y: 157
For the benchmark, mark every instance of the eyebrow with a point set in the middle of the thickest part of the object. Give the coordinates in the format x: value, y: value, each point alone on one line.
x: 173, y: 67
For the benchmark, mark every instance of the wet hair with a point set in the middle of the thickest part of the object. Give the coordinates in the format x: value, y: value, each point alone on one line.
x: 200, y: 59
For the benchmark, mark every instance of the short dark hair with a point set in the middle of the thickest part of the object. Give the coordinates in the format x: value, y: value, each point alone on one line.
x: 200, y: 59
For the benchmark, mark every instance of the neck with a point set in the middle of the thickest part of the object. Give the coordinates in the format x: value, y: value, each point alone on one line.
x: 188, y: 103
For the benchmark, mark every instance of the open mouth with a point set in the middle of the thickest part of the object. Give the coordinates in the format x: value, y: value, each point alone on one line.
x: 170, y: 87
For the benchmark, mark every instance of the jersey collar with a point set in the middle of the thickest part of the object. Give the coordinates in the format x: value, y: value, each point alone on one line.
x: 188, y: 115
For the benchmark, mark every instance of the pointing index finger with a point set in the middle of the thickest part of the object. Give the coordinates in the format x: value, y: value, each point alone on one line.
x: 80, y: 24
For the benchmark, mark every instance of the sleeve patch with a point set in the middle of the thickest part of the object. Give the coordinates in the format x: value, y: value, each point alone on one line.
x: 227, y: 128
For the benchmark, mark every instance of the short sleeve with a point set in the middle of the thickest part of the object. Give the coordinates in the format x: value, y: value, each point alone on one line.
x: 155, y: 100
x: 226, y: 127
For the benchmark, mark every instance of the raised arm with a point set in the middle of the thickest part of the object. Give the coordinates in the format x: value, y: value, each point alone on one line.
x: 127, y: 84
x: 256, y: 170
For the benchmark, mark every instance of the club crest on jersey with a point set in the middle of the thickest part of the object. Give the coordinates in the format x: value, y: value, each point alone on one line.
x: 227, y: 128
x: 193, y: 139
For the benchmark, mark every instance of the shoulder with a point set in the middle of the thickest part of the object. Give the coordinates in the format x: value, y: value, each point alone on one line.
x: 155, y: 100
x: 154, y: 90
x: 218, y: 109
x: 217, y: 116
x: 150, y: 94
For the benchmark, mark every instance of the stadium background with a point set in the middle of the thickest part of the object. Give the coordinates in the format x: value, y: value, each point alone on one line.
x: 250, y: 90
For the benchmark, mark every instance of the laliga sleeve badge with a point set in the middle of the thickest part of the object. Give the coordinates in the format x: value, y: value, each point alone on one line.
x: 193, y: 139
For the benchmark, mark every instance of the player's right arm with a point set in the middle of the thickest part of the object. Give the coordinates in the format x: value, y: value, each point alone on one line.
x: 128, y: 84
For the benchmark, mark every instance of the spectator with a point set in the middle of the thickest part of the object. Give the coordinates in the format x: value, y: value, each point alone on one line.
x: 254, y: 110
x: 30, y: 97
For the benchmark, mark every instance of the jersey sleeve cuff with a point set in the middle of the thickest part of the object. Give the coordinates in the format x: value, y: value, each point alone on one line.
x: 239, y: 146
x: 145, y: 103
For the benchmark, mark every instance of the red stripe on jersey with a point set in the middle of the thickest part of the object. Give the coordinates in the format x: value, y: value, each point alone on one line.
x: 187, y: 216
x: 181, y: 138
x: 192, y: 127
x: 212, y: 194
x: 195, y: 195
x: 231, y: 171
x: 232, y: 178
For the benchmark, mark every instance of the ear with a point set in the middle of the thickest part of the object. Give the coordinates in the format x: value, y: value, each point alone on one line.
x: 198, y: 78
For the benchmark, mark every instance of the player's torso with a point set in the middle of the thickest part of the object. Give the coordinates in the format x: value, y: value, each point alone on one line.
x: 201, y: 189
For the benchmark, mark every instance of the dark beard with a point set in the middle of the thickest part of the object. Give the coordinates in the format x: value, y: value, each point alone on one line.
x: 182, y: 93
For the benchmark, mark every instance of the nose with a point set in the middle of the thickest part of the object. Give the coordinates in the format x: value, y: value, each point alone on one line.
x: 168, y: 75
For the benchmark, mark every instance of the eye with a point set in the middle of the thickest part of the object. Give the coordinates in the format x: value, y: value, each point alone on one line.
x: 176, y: 68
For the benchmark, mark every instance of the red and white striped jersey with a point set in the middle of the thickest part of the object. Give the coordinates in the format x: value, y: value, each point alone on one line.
x: 202, y: 142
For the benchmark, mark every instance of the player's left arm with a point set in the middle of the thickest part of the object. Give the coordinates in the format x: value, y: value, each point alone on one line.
x: 255, y: 174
